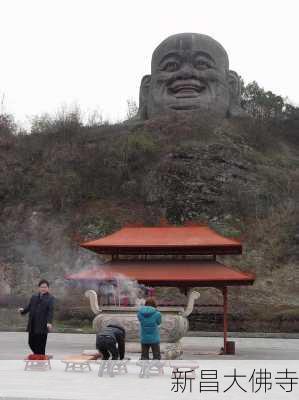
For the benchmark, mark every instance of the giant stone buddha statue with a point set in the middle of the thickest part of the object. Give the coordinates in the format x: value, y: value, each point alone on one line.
x: 190, y: 73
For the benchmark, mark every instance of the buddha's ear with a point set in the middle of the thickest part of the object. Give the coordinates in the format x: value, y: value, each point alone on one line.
x: 234, y: 83
x: 143, y: 96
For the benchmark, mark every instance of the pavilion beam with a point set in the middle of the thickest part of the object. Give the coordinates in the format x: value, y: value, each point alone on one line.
x: 225, y: 322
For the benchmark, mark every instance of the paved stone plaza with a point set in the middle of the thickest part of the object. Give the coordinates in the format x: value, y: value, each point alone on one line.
x: 13, y: 346
x: 56, y: 384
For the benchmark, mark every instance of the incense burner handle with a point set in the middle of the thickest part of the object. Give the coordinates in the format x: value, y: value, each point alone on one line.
x: 191, y: 297
x: 93, y: 299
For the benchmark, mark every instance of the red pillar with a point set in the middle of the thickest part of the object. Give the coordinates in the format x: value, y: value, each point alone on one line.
x: 225, y: 324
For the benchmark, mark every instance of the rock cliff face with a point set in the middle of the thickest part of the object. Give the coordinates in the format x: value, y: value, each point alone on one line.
x: 239, y: 176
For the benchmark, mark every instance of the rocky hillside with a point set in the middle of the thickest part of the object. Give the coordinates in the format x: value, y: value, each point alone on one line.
x: 67, y: 181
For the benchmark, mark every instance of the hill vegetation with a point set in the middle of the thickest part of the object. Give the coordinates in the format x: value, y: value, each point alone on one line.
x: 67, y: 180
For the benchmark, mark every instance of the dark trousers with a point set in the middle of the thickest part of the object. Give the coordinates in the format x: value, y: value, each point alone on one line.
x: 107, y: 346
x: 145, y: 348
x: 37, y: 342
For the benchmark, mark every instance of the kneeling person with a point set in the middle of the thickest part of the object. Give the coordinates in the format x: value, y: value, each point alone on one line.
x: 111, y: 341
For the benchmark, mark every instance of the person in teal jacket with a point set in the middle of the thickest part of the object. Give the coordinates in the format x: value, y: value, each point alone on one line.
x: 150, y: 319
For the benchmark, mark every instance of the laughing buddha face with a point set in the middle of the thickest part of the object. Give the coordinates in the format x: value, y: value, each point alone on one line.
x: 189, y: 72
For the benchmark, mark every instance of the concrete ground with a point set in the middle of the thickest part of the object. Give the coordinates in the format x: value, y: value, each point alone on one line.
x: 56, y: 384
x: 13, y: 346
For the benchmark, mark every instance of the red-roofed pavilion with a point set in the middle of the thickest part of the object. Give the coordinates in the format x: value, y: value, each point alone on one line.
x: 183, y: 271
x: 177, y: 273
x: 163, y: 240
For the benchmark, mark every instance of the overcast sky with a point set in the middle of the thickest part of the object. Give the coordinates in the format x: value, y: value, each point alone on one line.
x: 93, y: 53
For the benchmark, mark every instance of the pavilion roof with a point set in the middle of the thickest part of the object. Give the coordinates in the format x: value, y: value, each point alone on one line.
x: 178, y: 273
x: 195, y: 239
